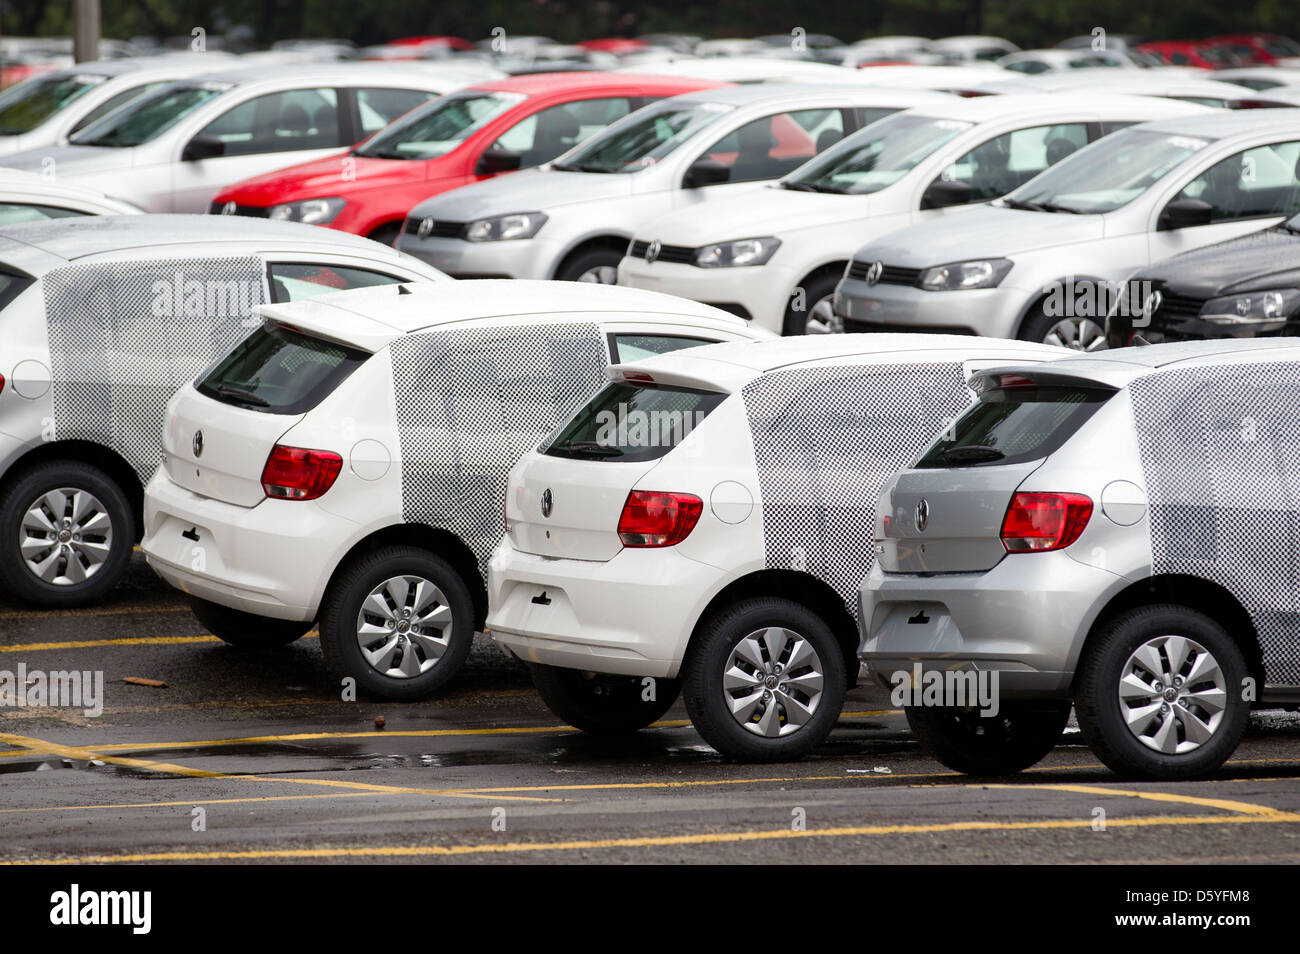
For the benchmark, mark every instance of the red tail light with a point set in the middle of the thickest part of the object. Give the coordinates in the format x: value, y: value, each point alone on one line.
x: 1038, y: 522
x: 296, y: 473
x: 653, y: 518
x: 2, y: 383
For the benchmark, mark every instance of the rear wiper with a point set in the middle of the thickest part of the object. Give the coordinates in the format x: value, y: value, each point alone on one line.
x: 590, y: 447
x: 971, y: 454
x: 242, y: 396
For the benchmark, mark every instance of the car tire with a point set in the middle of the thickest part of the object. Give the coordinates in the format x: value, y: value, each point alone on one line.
x: 88, y: 498
x: 597, y: 265
x: 817, y: 295
x: 247, y: 630
x: 1079, y: 334
x: 1118, y: 730
x: 600, y: 703
x: 1018, y: 736
x: 438, y: 632
x: 732, y: 655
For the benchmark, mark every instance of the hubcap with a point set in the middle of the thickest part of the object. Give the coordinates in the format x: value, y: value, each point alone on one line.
x: 404, y: 627
x: 822, y: 319
x: 65, y: 536
x: 1172, y: 694
x: 772, y: 683
x: 1079, y: 334
x: 601, y: 274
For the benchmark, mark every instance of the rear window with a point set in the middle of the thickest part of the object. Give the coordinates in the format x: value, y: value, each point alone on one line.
x: 629, y: 422
x: 1013, y: 424
x: 280, y: 371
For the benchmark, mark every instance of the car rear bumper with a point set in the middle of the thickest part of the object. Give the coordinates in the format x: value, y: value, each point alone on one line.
x: 632, y: 615
x: 983, y: 311
x: 760, y: 290
x: 273, y: 559
x: 1026, y: 618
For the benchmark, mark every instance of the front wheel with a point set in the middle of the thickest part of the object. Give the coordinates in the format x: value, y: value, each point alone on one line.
x: 601, y: 703
x: 1077, y: 334
x: 598, y: 265
x: 811, y: 311
x: 400, y: 621
x: 1159, y: 694
x: 765, y: 681
x: 247, y: 630
x: 1019, y: 735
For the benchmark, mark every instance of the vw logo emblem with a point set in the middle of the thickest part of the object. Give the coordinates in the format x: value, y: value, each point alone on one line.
x: 873, y: 273
x: 922, y: 513
x: 228, y: 208
x: 426, y: 226
x: 196, y: 445
x: 548, y: 501
x: 652, y: 252
x: 1152, y: 304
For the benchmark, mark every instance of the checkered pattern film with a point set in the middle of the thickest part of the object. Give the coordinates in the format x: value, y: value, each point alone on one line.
x: 825, y: 442
x: 1220, y: 449
x: 124, y: 337
x: 471, y: 403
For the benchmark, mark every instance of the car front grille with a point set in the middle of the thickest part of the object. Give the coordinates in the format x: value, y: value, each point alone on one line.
x: 1179, y: 306
x: 439, y: 229
x: 889, y: 274
x: 254, y: 211
x: 678, y: 254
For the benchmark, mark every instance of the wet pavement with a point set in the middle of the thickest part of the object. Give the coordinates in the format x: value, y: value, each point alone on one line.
x: 254, y: 756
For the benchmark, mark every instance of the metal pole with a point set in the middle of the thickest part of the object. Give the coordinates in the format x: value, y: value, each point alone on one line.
x: 85, y: 30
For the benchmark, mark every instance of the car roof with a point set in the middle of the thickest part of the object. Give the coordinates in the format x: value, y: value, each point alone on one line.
x: 1221, y: 124
x: 775, y: 93
x: 293, y: 73
x: 1032, y: 105
x: 1129, y: 79
x: 541, y: 83
x: 70, y: 239
x: 424, y: 306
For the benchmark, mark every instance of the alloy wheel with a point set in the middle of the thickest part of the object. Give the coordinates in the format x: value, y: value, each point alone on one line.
x: 772, y: 682
x: 404, y: 626
x: 1172, y: 694
x: 65, y: 536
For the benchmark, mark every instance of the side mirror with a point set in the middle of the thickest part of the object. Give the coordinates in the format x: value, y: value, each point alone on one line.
x: 497, y: 160
x: 942, y: 193
x: 706, y: 172
x: 1183, y: 214
x: 203, y: 147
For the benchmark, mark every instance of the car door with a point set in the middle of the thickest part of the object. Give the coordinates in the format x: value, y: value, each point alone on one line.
x: 260, y: 134
x: 1247, y: 191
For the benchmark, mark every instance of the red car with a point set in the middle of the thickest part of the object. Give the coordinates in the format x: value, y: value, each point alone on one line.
x: 1189, y: 53
x: 466, y: 136
x: 1261, y: 48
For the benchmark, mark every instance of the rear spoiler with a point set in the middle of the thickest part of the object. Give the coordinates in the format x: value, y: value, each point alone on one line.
x: 1018, y: 377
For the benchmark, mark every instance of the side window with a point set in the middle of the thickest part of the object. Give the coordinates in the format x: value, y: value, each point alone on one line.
x: 773, y: 146
x: 110, y: 104
x: 13, y: 213
x: 551, y: 132
x: 1006, y: 162
x: 279, y: 122
x: 1257, y: 182
x: 634, y: 347
x: 291, y: 281
x: 1028, y: 66
x: 379, y: 107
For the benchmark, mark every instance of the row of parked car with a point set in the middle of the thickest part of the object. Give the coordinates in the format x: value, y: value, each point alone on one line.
x: 305, y: 426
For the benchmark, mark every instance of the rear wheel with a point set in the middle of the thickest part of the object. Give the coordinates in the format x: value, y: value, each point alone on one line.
x: 765, y: 681
x: 1159, y: 694
x: 1017, y: 737
x: 598, y: 265
x: 400, y: 621
x: 66, y: 532
x: 816, y: 317
x: 601, y: 703
x: 247, y: 630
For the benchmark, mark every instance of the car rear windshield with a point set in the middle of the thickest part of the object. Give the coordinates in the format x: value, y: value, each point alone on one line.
x: 280, y: 371
x: 1015, y: 423
x: 629, y: 422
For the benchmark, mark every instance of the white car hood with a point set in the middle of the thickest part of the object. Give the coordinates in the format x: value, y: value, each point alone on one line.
x: 988, y: 232
x: 71, y: 160
x: 771, y: 210
x: 534, y: 190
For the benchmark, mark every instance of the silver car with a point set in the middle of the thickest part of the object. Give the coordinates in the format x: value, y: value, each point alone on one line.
x: 1114, y: 530
x: 102, y: 318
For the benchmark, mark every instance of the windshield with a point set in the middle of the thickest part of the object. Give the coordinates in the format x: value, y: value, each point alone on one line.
x: 439, y: 127
x: 876, y: 157
x: 641, y: 139
x: 147, y: 117
x: 1108, y: 174
x: 29, y: 104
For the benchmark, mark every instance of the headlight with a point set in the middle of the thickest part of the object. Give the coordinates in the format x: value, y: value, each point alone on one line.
x: 956, y: 276
x: 500, y: 228
x: 755, y: 251
x: 1252, y: 308
x: 308, y: 211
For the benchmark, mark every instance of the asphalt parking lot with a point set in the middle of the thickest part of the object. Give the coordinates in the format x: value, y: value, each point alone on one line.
x: 252, y: 757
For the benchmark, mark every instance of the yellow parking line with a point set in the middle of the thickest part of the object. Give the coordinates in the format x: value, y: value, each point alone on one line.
x: 1228, y: 805
x: 187, y: 803
x: 653, y: 841
x: 120, y: 641
x: 71, y: 752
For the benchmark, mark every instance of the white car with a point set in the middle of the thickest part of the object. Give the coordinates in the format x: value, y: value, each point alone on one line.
x: 573, y: 219
x: 749, y: 69
x: 1045, y: 263
x: 28, y: 197
x: 347, y: 462
x: 1162, y: 82
x: 973, y: 49
x: 1035, y: 62
x: 703, y: 524
x: 46, y: 109
x: 101, y: 319
x: 172, y: 150
x: 775, y: 255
